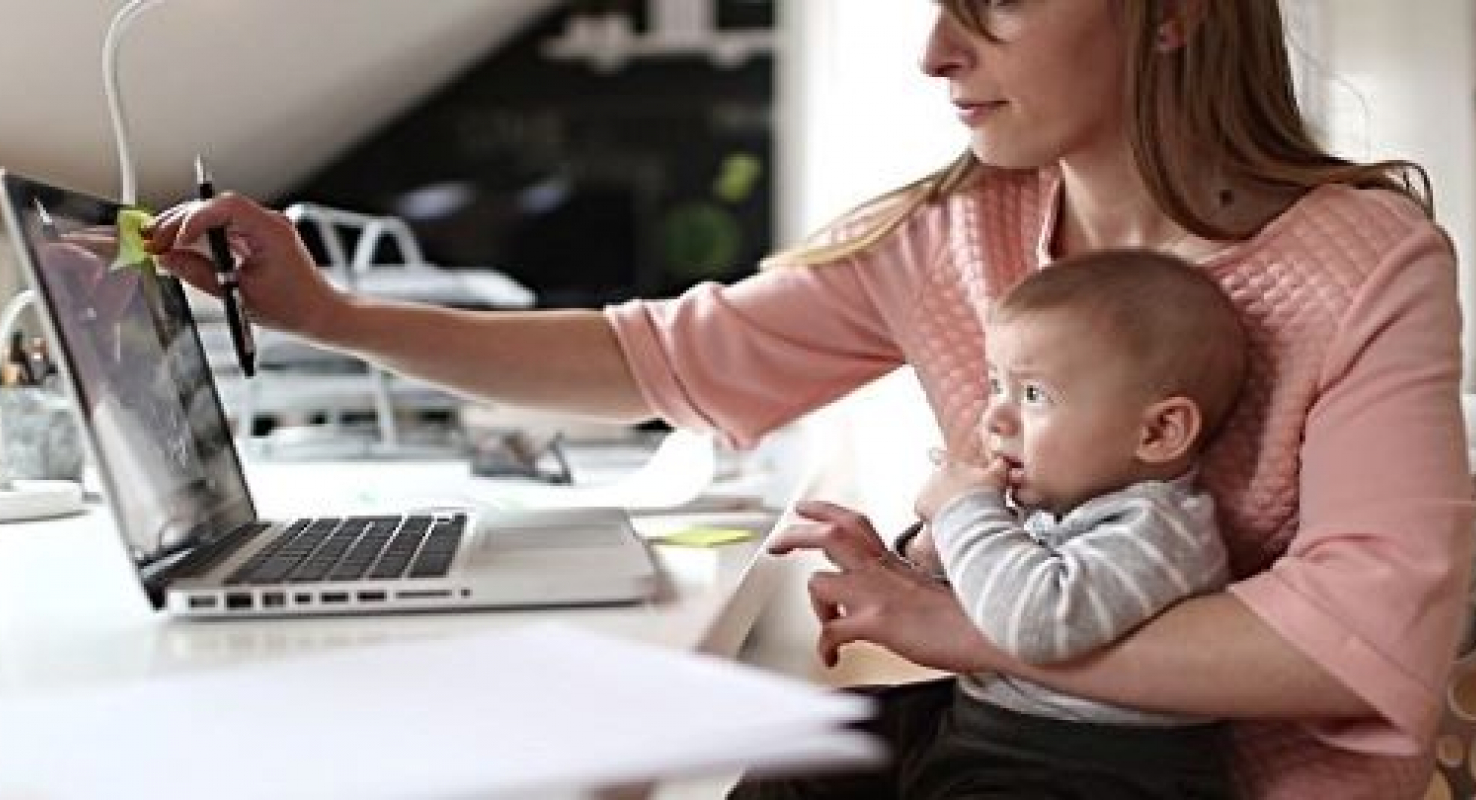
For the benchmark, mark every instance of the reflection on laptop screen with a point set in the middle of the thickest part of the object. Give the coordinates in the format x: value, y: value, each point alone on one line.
x: 139, y: 373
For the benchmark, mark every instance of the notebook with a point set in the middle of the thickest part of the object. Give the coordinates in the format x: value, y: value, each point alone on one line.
x: 132, y: 360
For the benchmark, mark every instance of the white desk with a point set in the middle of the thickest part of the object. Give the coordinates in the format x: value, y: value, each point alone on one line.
x: 72, y: 612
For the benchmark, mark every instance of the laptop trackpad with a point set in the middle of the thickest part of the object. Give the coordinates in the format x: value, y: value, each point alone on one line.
x: 501, y: 534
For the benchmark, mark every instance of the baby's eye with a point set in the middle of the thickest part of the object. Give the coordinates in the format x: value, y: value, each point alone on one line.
x: 1033, y: 394
x: 996, y: 388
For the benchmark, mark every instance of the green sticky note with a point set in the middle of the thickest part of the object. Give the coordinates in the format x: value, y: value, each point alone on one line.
x: 131, y: 250
x: 705, y: 537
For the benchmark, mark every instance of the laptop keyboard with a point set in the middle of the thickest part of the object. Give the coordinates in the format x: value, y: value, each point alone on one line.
x: 354, y: 549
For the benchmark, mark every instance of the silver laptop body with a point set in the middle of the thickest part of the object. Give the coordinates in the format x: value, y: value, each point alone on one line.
x: 132, y: 360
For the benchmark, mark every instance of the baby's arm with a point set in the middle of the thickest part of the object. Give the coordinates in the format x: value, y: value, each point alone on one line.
x: 1136, y: 554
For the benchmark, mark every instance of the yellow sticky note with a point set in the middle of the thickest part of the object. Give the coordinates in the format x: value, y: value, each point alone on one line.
x: 131, y: 251
x: 705, y: 537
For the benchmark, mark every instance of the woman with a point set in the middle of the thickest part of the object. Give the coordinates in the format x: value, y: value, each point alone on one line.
x: 1168, y: 124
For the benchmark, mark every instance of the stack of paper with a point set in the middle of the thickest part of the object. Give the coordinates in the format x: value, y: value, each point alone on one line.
x: 533, y: 712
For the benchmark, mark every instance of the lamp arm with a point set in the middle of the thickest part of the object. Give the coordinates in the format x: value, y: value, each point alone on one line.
x: 127, y: 188
x: 11, y: 314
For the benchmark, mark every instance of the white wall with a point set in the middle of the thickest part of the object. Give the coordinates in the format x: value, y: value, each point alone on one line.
x: 268, y: 89
x: 857, y: 117
x: 856, y: 114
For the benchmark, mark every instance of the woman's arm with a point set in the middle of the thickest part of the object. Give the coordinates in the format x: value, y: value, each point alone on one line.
x: 564, y: 360
x: 1209, y: 655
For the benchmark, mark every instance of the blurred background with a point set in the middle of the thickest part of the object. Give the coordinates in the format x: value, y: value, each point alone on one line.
x: 602, y: 149
x: 598, y: 149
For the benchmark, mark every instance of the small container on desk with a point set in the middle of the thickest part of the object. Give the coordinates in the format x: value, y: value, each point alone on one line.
x: 38, y: 436
x: 41, y: 451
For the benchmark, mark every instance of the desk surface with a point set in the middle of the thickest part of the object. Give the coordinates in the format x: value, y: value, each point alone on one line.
x: 72, y: 612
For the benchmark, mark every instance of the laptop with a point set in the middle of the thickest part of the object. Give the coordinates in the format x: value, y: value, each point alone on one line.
x: 132, y: 359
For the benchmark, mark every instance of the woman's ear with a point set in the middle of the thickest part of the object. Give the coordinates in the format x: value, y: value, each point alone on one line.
x: 1170, y: 428
x: 1180, y: 18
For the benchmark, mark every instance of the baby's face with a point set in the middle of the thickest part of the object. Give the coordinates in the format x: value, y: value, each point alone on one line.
x: 1065, y: 410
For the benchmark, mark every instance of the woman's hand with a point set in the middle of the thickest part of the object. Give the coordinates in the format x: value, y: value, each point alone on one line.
x: 280, y: 283
x: 876, y: 597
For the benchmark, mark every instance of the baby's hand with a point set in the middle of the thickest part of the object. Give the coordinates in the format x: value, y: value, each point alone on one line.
x: 953, y: 479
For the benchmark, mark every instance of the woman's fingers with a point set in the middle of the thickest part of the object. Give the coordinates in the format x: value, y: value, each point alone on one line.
x: 182, y: 225
x: 826, y: 589
x: 846, y: 604
x: 826, y: 612
x: 281, y: 285
x: 846, y: 537
x: 872, y: 595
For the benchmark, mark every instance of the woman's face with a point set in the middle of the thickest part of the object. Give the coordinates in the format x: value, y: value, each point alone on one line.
x: 1048, y: 87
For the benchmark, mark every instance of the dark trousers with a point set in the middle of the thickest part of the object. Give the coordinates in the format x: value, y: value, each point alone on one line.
x: 945, y: 744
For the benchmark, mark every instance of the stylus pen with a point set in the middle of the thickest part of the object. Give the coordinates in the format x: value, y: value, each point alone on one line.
x: 225, y: 275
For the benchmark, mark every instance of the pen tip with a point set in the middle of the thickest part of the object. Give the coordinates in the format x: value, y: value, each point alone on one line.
x: 201, y: 174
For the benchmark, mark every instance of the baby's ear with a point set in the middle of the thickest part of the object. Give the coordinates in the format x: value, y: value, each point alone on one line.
x: 1170, y: 428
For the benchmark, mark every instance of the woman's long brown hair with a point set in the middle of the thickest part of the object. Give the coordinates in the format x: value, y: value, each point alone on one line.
x: 1224, y: 102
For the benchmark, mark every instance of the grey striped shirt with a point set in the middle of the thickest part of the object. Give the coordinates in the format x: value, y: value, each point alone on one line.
x: 1049, y: 589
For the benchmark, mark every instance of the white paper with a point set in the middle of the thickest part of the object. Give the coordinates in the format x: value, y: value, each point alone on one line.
x: 681, y: 468
x: 523, y: 713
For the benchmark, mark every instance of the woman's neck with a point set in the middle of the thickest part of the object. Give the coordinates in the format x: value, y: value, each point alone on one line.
x: 1105, y: 204
x: 1108, y: 206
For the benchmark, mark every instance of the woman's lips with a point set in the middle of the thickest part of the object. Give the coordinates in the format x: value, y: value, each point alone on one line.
x: 974, y: 114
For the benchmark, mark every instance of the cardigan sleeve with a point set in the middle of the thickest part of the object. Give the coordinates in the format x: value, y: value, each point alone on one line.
x: 742, y: 359
x: 1373, y: 587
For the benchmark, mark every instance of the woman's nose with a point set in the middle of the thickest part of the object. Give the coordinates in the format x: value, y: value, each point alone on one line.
x: 945, y: 52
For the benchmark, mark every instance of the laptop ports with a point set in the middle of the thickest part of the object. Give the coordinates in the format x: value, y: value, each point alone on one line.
x: 273, y: 600
x: 238, y: 601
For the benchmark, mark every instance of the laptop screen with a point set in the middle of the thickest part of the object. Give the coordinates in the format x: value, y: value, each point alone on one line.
x: 139, y: 374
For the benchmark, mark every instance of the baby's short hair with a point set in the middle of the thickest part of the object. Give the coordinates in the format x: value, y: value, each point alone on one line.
x: 1167, y: 315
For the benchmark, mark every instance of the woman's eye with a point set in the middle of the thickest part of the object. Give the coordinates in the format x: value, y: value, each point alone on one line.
x: 995, y: 387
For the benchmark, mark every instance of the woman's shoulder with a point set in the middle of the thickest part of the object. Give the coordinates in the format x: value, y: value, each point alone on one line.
x: 1337, y: 229
x: 1356, y: 221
